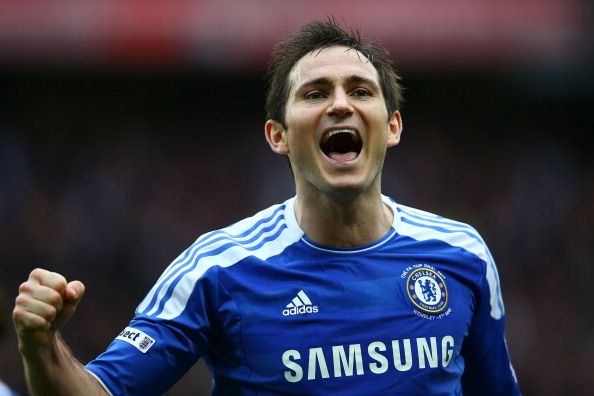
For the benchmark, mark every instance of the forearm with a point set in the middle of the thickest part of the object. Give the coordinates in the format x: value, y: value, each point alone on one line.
x: 55, y: 371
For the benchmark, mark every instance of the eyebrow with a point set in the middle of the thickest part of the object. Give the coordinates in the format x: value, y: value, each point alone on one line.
x: 349, y: 80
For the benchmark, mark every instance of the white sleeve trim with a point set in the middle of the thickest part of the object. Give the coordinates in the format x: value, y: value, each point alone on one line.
x: 100, y: 382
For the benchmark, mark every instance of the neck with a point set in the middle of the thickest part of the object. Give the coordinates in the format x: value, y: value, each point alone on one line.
x: 343, y: 223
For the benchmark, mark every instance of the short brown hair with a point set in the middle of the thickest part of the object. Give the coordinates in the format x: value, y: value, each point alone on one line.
x: 318, y: 35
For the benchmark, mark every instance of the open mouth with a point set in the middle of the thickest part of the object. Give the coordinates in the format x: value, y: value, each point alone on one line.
x: 341, y: 144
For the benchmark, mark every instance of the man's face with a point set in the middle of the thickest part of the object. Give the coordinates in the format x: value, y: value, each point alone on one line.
x: 338, y: 127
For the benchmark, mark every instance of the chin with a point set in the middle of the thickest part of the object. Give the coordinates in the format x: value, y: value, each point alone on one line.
x: 350, y: 188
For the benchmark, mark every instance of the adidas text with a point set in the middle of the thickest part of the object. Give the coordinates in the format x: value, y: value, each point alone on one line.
x: 300, y: 310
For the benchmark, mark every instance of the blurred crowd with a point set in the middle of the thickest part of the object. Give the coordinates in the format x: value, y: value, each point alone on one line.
x: 107, y: 178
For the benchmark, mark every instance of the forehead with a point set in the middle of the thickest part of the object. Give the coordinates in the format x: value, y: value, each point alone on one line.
x: 334, y: 63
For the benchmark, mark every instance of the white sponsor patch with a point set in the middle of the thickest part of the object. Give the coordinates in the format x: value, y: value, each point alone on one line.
x: 137, y: 338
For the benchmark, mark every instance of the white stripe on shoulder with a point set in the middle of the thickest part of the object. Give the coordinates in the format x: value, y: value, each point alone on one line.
x: 213, y: 250
x: 422, y: 226
x: 239, y: 232
x: 182, y: 291
x: 262, y: 235
x: 433, y: 218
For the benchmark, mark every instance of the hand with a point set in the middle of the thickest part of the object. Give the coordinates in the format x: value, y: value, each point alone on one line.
x: 45, y: 303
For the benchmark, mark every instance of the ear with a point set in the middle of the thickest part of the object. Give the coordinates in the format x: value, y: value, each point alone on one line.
x: 394, y: 129
x: 276, y: 136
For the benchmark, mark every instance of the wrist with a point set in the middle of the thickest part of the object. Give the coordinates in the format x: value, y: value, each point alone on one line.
x: 39, y: 347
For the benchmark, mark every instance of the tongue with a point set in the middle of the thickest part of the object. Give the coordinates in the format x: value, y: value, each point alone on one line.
x: 343, y: 157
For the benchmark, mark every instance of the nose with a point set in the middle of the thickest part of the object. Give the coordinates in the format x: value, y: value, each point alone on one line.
x: 340, y: 105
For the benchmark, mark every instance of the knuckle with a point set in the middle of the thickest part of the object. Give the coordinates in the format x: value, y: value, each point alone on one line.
x: 25, y: 287
x: 56, y: 281
x: 37, y: 272
x: 21, y: 318
x: 58, y: 277
x: 17, y: 314
x: 18, y: 301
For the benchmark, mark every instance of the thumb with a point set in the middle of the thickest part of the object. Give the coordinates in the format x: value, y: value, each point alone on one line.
x: 74, y: 292
x: 72, y: 296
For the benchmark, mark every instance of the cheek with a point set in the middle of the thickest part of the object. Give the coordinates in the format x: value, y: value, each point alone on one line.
x: 300, y: 116
x: 299, y: 145
x: 301, y: 128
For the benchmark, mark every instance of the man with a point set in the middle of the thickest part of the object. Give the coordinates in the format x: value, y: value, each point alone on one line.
x: 339, y: 290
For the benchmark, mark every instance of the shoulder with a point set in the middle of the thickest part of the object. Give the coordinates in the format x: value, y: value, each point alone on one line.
x: 254, y: 234
x: 424, y: 226
x: 5, y: 390
x: 262, y: 235
x: 422, y: 218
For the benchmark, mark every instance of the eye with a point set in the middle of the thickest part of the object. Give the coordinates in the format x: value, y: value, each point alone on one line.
x: 314, y: 95
x: 361, y: 92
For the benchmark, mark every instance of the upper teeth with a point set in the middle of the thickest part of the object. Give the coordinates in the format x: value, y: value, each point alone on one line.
x: 337, y: 131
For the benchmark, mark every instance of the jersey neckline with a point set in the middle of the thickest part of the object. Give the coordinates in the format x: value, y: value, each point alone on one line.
x: 291, y: 222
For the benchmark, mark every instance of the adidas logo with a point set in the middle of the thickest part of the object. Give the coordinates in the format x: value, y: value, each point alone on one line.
x: 299, y: 305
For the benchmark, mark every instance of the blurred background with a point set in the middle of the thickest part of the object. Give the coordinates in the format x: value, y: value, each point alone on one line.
x: 129, y: 128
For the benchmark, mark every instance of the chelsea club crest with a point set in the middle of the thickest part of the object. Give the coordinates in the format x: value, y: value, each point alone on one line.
x: 427, y: 290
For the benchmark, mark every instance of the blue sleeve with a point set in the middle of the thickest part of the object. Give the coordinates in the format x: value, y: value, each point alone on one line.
x: 488, y: 370
x: 130, y: 368
x: 152, y: 353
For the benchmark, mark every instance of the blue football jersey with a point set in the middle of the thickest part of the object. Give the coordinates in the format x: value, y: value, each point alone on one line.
x: 418, y: 312
x: 6, y: 391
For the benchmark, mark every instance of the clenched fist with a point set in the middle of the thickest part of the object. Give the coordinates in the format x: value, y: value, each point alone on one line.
x: 45, y: 303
